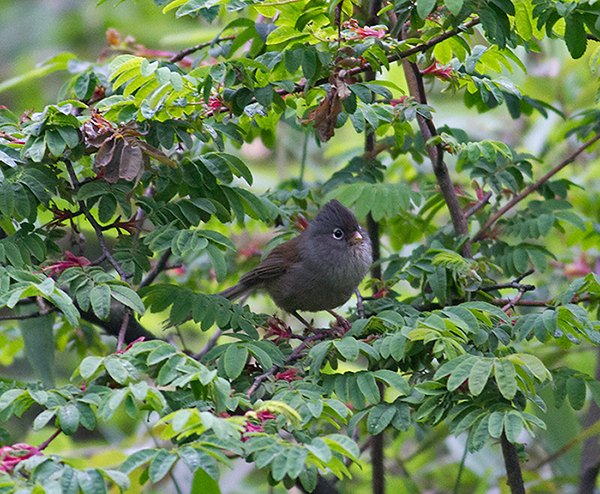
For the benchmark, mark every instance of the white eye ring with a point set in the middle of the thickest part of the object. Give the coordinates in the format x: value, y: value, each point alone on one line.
x: 338, y: 234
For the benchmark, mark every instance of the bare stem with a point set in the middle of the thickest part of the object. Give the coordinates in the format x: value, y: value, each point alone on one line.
x: 531, y: 188
x: 95, y: 225
x: 188, y: 51
x: 414, y: 79
x: 478, y: 205
x: 45, y: 444
x: 290, y: 359
x: 156, y: 269
x: 513, y: 467
x: 31, y: 315
x: 123, y: 330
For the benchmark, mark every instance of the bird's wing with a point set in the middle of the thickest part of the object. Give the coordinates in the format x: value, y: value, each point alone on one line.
x: 277, y: 262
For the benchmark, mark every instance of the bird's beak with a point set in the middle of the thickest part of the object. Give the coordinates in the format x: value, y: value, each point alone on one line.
x: 355, y: 239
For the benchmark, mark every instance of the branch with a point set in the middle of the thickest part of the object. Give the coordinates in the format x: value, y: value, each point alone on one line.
x: 299, y: 88
x: 414, y: 79
x: 123, y: 330
x: 478, y: 205
x: 31, y: 315
x: 45, y: 444
x: 415, y: 49
x: 156, y: 269
x: 188, y: 51
x: 95, y: 225
x: 529, y: 189
x: 209, y: 346
x: 513, y: 284
x: 513, y: 467
x: 291, y: 358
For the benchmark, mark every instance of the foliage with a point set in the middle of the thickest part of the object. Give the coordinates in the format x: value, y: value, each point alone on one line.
x: 119, y: 202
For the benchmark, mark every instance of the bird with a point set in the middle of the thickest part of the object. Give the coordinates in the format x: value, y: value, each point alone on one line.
x: 317, y: 270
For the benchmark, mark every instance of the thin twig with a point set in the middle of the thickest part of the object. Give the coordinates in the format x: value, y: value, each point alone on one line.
x: 511, y: 304
x: 416, y: 87
x: 188, y: 51
x: 478, y: 205
x: 582, y: 436
x: 95, y: 225
x: 31, y: 315
x: 531, y: 188
x: 45, y: 444
x: 299, y: 88
x: 156, y: 269
x: 209, y: 346
x: 360, y: 308
x: 123, y: 330
x: 291, y: 358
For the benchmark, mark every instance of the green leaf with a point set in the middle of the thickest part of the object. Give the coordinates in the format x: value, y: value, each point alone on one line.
x: 576, y: 390
x: 348, y: 348
x: 91, y: 481
x: 42, y: 419
x: 506, y: 378
x: 161, y: 464
x: 460, y: 374
x: 496, y: 424
x: 117, y: 368
x: 89, y: 365
x: 296, y: 457
x: 424, y: 7
x: 368, y: 386
x: 343, y: 444
x: 380, y: 417
x: 393, y: 379
x: 68, y: 418
x: 137, y: 459
x: 217, y: 259
x: 100, y: 299
x: 203, y: 483
x: 513, y: 425
x: 454, y: 6
x: 128, y: 297
x: 235, y: 360
x: 575, y: 35
x: 320, y: 449
x: 161, y: 353
x: 479, y: 375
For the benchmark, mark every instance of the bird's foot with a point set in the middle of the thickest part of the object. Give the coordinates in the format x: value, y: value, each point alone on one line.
x: 341, y: 323
x: 308, y: 325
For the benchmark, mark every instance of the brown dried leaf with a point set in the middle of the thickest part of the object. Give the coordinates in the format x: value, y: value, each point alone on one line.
x: 325, y: 115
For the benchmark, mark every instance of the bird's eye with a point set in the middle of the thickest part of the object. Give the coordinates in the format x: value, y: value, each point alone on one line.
x: 338, y: 234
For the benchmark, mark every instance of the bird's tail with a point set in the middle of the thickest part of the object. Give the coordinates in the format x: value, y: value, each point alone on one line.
x: 234, y: 292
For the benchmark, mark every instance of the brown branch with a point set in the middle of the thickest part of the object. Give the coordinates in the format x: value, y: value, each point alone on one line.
x: 513, y: 467
x: 414, y: 80
x: 31, y: 315
x: 513, y: 284
x: 531, y: 188
x: 45, y: 444
x: 478, y: 205
x: 156, y: 269
x: 95, y: 225
x: 123, y: 330
x: 209, y: 346
x: 291, y: 358
x: 298, y: 88
x: 188, y: 51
